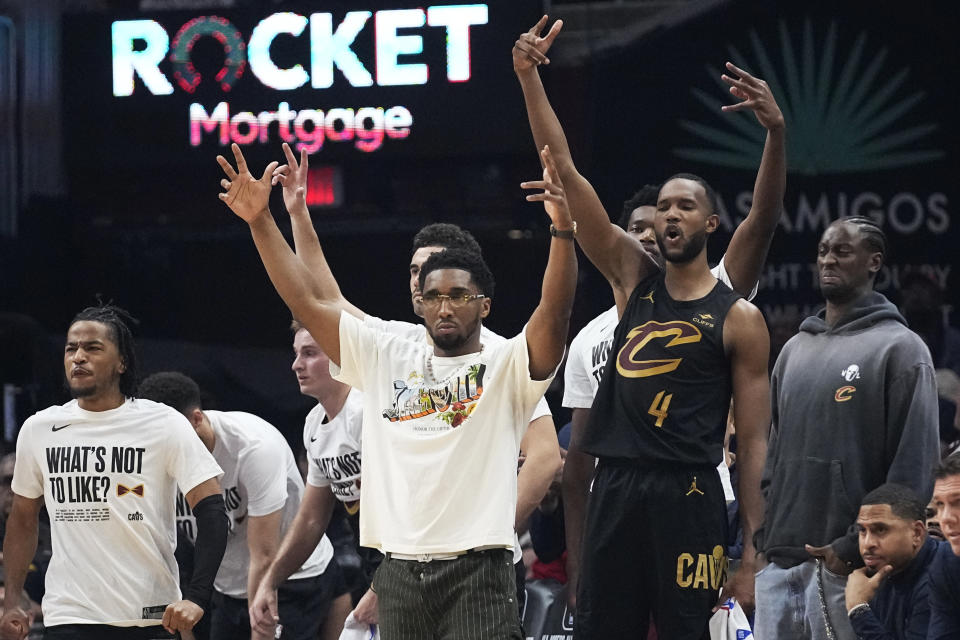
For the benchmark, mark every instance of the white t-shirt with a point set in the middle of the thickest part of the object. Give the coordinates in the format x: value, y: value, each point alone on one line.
x: 333, y: 450
x: 260, y: 476
x: 109, y: 480
x: 440, y: 449
x: 588, y: 356
x: 418, y: 333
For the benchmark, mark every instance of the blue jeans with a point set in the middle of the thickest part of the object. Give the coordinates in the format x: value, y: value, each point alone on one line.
x: 788, y: 604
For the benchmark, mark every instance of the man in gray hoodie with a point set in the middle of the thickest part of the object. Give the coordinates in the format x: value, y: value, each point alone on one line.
x: 854, y: 405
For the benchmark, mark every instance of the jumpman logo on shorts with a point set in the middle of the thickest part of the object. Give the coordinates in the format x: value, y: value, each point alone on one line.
x: 694, y: 488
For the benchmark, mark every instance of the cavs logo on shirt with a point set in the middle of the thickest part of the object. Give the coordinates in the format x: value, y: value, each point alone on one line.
x: 629, y: 365
x: 844, y: 393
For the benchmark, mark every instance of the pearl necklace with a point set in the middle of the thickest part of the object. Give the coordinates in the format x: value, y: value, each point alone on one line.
x: 433, y: 382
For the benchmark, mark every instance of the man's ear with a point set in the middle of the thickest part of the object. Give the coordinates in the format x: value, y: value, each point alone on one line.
x: 876, y: 262
x: 713, y: 221
x: 195, y: 416
x: 485, y: 307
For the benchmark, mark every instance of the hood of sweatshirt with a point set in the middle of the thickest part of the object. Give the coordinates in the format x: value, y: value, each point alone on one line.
x: 865, y: 313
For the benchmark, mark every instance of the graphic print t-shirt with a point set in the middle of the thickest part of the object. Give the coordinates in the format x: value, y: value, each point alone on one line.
x: 260, y: 476
x: 109, y: 480
x: 440, y: 450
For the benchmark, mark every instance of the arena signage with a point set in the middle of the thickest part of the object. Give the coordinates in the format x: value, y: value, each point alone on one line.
x: 140, y: 47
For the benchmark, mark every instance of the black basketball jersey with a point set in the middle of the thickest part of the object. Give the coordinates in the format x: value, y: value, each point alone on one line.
x: 665, y: 391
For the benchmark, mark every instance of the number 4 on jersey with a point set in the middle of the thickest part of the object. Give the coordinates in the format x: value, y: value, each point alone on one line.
x: 660, y: 406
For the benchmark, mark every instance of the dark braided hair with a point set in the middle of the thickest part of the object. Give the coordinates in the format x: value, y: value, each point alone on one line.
x: 645, y: 197
x: 118, y: 321
x: 872, y: 234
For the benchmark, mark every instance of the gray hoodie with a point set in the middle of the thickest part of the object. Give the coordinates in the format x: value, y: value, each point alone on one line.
x: 854, y: 406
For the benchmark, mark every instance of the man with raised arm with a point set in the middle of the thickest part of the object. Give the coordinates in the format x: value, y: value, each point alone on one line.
x: 539, y: 445
x: 442, y: 424
x: 654, y: 538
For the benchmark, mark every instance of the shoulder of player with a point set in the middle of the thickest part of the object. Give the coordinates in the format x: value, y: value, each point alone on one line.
x: 743, y: 323
x: 598, y: 325
x: 156, y: 411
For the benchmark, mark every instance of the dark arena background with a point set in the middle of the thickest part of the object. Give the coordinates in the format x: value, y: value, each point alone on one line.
x: 111, y: 115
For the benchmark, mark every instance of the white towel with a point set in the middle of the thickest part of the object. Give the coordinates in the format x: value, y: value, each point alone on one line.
x: 354, y: 630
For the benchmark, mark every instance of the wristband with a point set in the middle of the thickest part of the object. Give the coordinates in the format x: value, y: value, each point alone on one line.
x: 566, y: 234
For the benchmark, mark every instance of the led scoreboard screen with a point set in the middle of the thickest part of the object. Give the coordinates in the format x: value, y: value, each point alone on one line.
x: 151, y: 97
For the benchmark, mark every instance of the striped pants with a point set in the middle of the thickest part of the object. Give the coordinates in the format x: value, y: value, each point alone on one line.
x: 472, y: 597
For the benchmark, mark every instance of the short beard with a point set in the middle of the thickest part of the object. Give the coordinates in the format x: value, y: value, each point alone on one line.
x: 449, y: 341
x: 81, y: 392
x: 688, y: 252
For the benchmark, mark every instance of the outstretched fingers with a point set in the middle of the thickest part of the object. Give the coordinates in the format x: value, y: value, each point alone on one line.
x: 526, y: 45
x: 291, y: 159
x: 227, y: 168
x: 537, y: 28
x: 553, y: 33
x: 241, y: 161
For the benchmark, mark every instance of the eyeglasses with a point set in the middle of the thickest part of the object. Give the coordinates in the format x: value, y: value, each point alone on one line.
x: 458, y: 301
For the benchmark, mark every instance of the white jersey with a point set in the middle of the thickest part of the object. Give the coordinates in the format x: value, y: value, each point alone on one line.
x: 440, y: 439
x: 260, y: 476
x: 333, y: 450
x: 109, y: 481
x: 588, y: 356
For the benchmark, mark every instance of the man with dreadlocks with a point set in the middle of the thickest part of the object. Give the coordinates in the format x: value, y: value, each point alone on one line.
x: 107, y: 466
x: 854, y: 406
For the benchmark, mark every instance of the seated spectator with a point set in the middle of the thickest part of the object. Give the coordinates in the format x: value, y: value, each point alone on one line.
x: 945, y: 570
x: 888, y: 598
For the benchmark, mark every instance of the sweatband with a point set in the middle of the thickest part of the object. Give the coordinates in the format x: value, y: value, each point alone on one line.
x: 211, y: 516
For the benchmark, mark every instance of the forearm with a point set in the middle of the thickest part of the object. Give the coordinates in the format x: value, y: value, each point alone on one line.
x: 539, y: 468
x: 771, y: 183
x: 868, y: 627
x: 577, y: 471
x: 550, y: 322
x: 291, y: 278
x: 301, y: 539
x: 19, y: 547
x: 307, y: 246
x: 259, y: 564
x: 544, y: 124
x: 751, y: 455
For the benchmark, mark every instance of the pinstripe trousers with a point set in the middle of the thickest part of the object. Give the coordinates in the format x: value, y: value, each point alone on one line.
x: 472, y: 597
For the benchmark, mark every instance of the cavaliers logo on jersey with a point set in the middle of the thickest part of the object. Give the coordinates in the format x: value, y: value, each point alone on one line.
x: 630, y: 365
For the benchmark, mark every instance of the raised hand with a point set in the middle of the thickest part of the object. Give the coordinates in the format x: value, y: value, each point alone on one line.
x: 755, y: 95
x: 293, y: 177
x: 553, y: 197
x: 530, y: 49
x: 245, y: 195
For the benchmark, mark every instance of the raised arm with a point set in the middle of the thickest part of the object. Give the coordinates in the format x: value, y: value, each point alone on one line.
x: 249, y: 199
x: 748, y: 247
x: 619, y: 257
x: 547, y: 330
x: 293, y: 177
x: 747, y: 341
